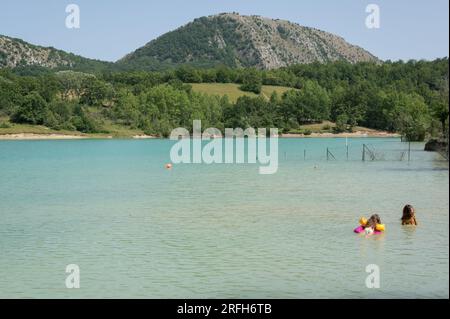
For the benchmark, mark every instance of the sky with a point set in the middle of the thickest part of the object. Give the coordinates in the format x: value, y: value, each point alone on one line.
x: 110, y: 29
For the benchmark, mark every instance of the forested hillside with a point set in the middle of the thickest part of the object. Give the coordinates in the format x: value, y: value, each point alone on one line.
x: 243, y: 41
x: 410, y: 98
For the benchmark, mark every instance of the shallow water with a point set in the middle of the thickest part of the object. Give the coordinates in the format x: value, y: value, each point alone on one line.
x: 207, y: 231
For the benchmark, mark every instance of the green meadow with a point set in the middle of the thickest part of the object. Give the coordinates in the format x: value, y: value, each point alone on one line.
x: 233, y: 90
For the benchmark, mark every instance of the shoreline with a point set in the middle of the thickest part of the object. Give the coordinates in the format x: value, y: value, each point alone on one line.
x: 55, y: 136
x: 33, y: 136
x: 59, y: 136
x: 357, y: 134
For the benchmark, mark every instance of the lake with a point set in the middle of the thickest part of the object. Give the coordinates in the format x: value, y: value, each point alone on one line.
x: 137, y: 230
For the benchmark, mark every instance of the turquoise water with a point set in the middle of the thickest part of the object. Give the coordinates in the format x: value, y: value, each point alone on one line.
x: 137, y: 230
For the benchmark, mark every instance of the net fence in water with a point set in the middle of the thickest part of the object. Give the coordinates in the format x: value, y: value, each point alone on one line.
x: 368, y: 152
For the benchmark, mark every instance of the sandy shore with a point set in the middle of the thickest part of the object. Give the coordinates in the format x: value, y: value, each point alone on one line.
x: 143, y: 137
x: 353, y: 134
x: 31, y: 136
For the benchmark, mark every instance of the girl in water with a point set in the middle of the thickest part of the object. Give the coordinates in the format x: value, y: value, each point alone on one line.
x: 409, y: 216
x: 371, y: 226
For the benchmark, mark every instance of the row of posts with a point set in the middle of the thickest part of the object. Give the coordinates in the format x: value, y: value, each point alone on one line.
x: 366, y: 150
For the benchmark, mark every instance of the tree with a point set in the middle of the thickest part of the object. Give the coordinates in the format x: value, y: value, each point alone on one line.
x: 223, y: 75
x: 379, y: 107
x: 125, y: 108
x: 411, y: 116
x: 59, y: 115
x: 32, y: 110
x: 251, y: 81
x: 9, y: 93
x: 188, y: 74
x: 72, y: 83
x: 164, y: 108
x: 49, y: 87
x: 83, y: 122
x: 95, y: 91
x: 439, y: 106
x: 310, y: 104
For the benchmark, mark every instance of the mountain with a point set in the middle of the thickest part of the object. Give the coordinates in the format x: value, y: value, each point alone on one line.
x: 18, y: 53
x: 244, y: 41
x: 226, y: 39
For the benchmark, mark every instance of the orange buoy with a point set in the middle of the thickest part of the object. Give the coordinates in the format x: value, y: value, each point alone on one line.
x: 168, y: 166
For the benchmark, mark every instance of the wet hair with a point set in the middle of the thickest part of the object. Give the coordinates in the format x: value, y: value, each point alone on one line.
x: 373, y: 221
x: 408, y: 213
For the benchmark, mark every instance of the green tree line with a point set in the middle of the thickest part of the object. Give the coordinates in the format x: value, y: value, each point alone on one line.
x: 406, y: 97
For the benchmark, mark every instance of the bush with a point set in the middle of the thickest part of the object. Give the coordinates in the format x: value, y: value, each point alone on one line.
x: 341, y: 124
x: 51, y: 121
x: 4, y: 125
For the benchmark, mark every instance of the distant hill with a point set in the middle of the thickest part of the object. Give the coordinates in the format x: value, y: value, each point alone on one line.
x: 18, y: 53
x: 226, y: 39
x: 244, y: 41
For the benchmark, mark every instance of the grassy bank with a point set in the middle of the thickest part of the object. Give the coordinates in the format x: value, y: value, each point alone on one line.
x: 110, y: 130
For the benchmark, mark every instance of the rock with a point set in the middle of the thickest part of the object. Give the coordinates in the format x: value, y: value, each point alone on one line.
x: 435, y: 145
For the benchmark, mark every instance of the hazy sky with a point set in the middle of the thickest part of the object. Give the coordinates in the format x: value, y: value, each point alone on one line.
x: 410, y: 29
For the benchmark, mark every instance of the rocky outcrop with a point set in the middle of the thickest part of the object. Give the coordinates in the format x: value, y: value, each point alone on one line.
x: 435, y: 145
x: 439, y: 146
x: 18, y: 53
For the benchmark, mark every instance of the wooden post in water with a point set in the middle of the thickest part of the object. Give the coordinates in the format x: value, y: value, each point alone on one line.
x: 328, y: 155
x: 409, y: 151
x: 304, y: 154
x: 346, y: 146
x: 364, y: 153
